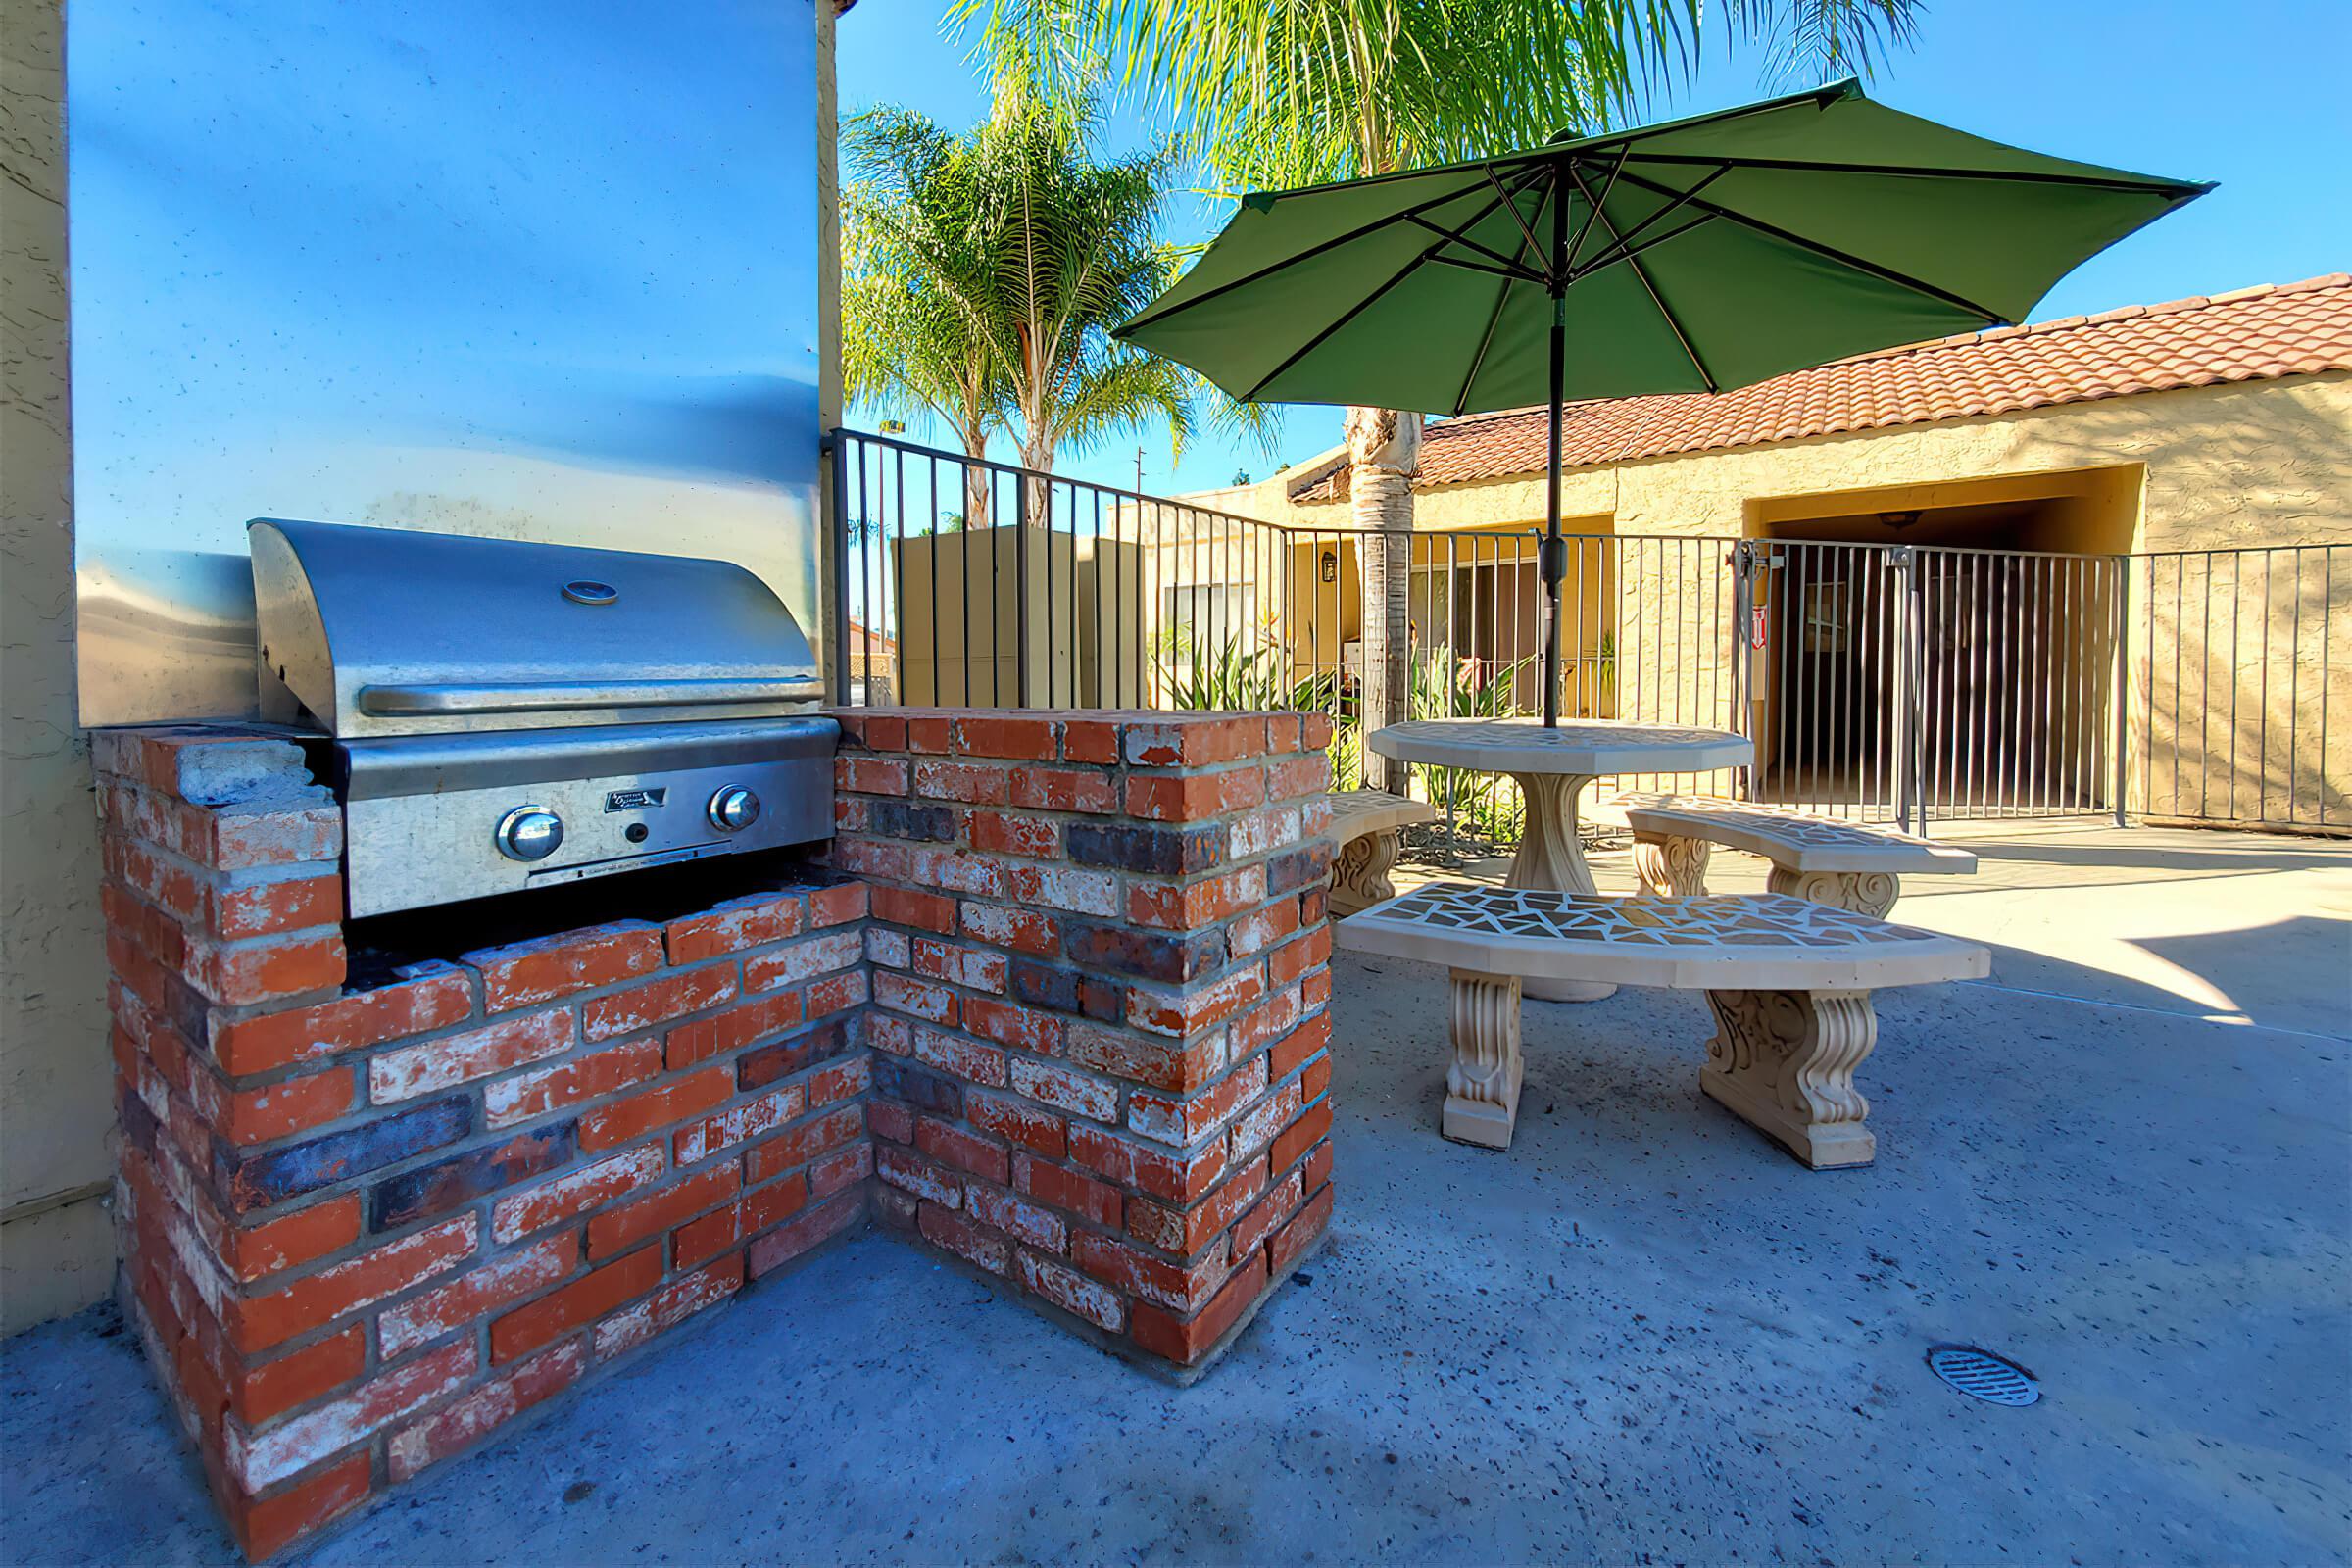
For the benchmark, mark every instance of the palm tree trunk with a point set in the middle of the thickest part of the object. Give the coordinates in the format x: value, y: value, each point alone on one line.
x: 1037, y: 496
x: 976, y: 485
x: 1383, y: 452
x: 1031, y: 560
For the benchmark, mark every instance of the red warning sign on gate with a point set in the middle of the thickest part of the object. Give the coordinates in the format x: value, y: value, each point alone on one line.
x: 1755, y: 633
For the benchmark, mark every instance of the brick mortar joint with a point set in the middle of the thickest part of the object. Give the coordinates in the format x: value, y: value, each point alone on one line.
x: 234, y: 879
x: 482, y: 1014
x: 1080, y: 1224
x: 309, y: 933
x: 487, y: 1249
x: 480, y: 1136
x: 302, y: 798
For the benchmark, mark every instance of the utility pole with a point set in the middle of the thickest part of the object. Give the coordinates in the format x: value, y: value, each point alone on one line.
x: 1139, y: 469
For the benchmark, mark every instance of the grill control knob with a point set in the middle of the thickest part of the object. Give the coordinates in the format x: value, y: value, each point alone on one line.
x: 733, y: 808
x: 529, y: 833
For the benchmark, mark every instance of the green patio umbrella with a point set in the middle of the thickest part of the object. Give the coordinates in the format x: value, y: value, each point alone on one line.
x: 1687, y: 257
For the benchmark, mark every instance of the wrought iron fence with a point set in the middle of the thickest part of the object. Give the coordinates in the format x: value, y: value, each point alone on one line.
x: 1893, y: 683
x: 2240, y: 687
x: 974, y: 582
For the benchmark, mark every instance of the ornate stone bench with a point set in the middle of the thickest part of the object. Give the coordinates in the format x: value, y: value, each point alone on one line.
x: 1789, y: 982
x: 1815, y: 858
x: 1364, y: 823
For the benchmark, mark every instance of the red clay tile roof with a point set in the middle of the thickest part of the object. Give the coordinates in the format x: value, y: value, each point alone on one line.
x: 2251, y: 334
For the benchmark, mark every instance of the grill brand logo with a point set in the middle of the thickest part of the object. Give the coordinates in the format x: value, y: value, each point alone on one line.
x: 635, y: 800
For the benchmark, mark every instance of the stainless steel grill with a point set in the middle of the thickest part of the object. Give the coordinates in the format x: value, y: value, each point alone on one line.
x: 508, y: 716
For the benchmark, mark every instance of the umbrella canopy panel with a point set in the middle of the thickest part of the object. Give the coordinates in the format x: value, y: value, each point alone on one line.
x: 1691, y: 256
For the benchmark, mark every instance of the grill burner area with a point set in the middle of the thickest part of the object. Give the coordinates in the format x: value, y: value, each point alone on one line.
x: 380, y: 946
x: 508, y: 715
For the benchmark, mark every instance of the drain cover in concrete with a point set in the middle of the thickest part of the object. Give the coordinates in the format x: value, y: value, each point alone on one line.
x: 1981, y: 1375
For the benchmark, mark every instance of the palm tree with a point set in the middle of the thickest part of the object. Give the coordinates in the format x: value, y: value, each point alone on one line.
x: 1074, y: 250
x: 1274, y: 93
x: 984, y: 271
x: 914, y: 254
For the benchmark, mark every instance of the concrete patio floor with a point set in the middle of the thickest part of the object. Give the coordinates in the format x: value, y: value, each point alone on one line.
x: 1642, y: 1334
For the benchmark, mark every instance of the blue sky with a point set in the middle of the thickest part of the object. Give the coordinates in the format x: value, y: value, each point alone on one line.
x: 2250, y: 95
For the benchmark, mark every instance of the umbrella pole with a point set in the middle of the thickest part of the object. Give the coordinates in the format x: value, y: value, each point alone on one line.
x: 1553, y: 565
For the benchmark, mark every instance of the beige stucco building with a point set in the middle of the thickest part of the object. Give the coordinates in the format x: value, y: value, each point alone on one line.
x: 2209, y: 439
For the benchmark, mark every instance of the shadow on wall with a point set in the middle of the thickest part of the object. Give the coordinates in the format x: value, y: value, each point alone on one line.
x: 2240, y: 665
x: 2243, y: 678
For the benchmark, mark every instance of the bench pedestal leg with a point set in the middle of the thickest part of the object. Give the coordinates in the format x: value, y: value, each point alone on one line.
x: 1482, y: 1086
x: 1784, y: 1062
x: 1671, y: 867
x: 1550, y: 859
x: 1359, y: 876
x: 1871, y: 892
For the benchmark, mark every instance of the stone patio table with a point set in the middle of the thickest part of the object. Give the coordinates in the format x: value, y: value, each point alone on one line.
x: 1553, y: 766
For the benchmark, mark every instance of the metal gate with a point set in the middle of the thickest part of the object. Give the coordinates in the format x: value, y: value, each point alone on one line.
x: 1919, y: 683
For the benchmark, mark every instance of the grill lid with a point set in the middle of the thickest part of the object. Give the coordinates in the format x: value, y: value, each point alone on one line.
x: 388, y: 631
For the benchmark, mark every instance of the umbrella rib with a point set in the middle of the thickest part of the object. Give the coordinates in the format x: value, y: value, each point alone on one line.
x: 1567, y: 262
x: 1309, y: 253
x: 1369, y: 300
x: 1502, y: 298
x: 1626, y: 253
x: 1533, y: 246
x: 1859, y: 264
x: 1519, y: 275
x: 1517, y: 268
x: 1624, y: 244
x: 1707, y: 376
x: 2013, y: 176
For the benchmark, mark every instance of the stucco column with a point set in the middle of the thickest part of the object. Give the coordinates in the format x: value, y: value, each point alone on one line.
x: 57, y: 1245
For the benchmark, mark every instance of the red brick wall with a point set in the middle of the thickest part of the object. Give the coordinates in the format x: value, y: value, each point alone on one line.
x: 1100, y: 1026
x: 1083, y: 1035
x: 363, y: 1227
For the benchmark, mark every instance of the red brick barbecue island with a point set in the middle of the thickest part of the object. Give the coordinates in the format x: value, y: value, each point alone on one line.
x: 1054, y: 1006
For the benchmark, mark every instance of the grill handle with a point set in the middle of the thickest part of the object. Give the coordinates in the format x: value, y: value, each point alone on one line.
x: 427, y: 701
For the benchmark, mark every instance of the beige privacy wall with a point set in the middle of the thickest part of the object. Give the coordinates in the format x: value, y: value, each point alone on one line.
x: 55, y: 1244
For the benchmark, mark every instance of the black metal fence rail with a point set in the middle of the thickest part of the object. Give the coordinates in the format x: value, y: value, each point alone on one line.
x: 2240, y: 685
x: 1911, y: 685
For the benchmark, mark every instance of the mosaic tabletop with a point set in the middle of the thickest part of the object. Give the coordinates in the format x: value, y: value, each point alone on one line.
x: 1726, y: 941
x: 1587, y: 749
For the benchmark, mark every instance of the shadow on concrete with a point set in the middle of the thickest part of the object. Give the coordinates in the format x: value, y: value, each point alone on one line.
x: 2307, y: 944
x: 2224, y: 961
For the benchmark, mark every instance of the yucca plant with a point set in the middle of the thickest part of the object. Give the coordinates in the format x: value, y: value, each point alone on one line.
x: 1448, y: 687
x: 1237, y: 677
x: 1347, y: 751
x: 1232, y: 677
